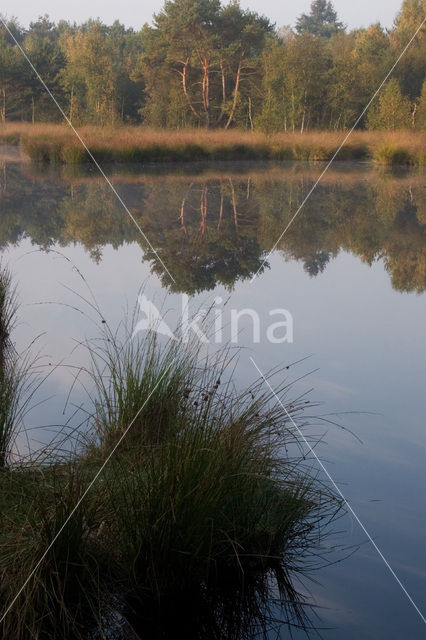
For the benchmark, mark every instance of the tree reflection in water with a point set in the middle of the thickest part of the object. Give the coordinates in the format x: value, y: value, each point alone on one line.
x: 216, y: 228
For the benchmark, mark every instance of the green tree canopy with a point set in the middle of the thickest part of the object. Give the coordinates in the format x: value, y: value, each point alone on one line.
x: 321, y: 21
x: 96, y: 75
x: 203, y: 52
x: 210, y: 63
x: 393, y: 110
x: 14, y: 74
x: 411, y: 70
x: 295, y: 79
x: 41, y: 44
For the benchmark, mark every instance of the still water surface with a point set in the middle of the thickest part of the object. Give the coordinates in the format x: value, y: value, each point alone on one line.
x: 351, y: 270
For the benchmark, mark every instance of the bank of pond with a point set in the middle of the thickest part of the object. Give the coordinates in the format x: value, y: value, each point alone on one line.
x: 57, y: 144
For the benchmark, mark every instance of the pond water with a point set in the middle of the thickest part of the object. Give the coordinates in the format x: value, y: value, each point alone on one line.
x: 350, y: 273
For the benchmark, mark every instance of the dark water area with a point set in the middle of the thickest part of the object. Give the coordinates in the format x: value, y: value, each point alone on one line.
x: 351, y: 273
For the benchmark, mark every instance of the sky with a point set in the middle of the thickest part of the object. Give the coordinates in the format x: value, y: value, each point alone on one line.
x: 134, y: 13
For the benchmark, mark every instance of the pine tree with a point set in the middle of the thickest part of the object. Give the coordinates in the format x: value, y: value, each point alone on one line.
x: 322, y: 20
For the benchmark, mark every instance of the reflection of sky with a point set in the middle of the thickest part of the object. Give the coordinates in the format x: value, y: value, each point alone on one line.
x: 367, y: 341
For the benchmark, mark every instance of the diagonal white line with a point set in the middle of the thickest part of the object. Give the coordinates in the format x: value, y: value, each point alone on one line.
x: 84, y: 494
x: 96, y: 163
x: 339, y: 492
x: 330, y: 162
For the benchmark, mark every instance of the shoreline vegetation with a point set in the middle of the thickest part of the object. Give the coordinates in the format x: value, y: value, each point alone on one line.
x: 207, y: 500
x: 57, y: 144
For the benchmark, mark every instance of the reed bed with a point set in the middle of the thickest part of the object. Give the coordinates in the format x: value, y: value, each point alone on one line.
x: 201, y: 502
x: 57, y: 144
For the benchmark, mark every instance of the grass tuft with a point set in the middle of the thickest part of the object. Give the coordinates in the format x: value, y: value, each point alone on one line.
x: 392, y: 156
x: 16, y: 379
x: 200, y: 502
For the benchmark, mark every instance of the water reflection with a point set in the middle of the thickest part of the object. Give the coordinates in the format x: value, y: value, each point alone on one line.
x: 348, y: 317
x: 216, y: 228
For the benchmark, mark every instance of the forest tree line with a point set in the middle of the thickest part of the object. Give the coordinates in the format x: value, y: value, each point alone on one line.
x: 206, y: 64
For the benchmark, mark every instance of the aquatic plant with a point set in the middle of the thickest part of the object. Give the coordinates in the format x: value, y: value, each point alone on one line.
x: 182, y: 489
x: 390, y: 155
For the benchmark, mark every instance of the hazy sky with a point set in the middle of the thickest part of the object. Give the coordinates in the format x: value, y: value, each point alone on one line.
x: 355, y: 13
